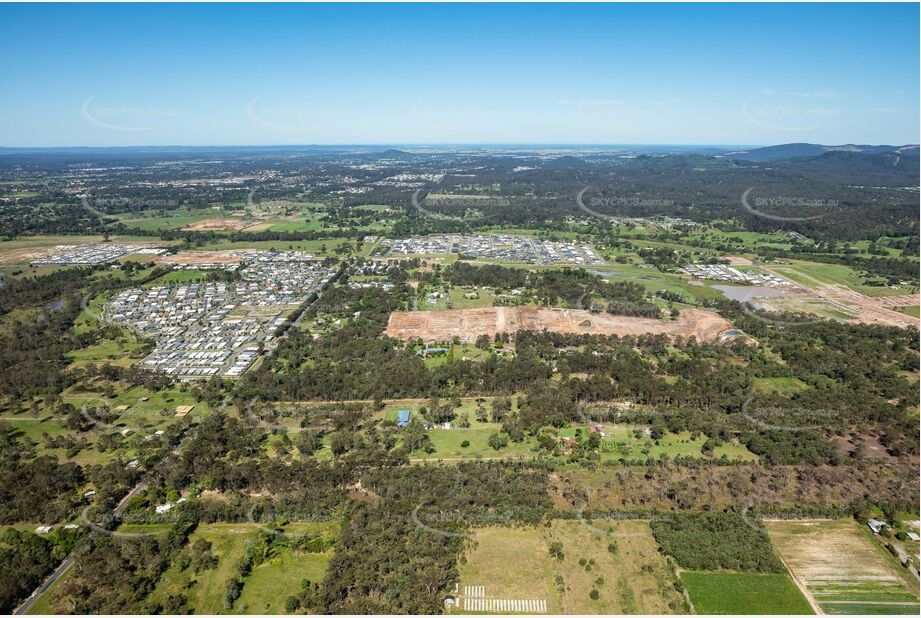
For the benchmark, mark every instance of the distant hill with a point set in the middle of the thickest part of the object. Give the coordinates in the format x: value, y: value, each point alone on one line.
x: 892, y: 168
x: 805, y: 150
x: 394, y: 155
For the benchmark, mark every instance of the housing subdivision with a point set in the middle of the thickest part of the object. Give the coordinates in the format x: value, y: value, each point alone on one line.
x: 721, y: 272
x: 219, y: 328
x: 94, y: 253
x: 495, y: 247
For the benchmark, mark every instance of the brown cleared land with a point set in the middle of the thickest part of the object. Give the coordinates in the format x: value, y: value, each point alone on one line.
x: 468, y: 324
x: 199, y: 257
x: 213, y: 225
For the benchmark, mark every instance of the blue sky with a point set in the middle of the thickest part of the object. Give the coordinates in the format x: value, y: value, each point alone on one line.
x: 118, y: 75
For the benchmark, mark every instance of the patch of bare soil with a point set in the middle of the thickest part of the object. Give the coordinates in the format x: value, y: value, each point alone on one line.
x: 468, y: 324
x: 217, y: 224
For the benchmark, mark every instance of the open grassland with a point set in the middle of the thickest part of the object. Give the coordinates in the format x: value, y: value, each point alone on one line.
x: 449, y: 443
x: 633, y: 578
x: 843, y: 567
x: 204, y: 592
x: 486, y: 562
x: 314, y: 246
x: 118, y: 352
x: 785, y: 386
x: 630, y: 442
x: 654, y: 280
x: 811, y: 274
x: 457, y: 298
x: 265, y: 589
x: 728, y: 592
x: 621, y: 562
x: 36, y: 427
x: 270, y: 583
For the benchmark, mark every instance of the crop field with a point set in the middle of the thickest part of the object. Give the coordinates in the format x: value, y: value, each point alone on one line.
x: 467, y: 324
x: 631, y: 578
x: 843, y: 568
x: 728, y: 592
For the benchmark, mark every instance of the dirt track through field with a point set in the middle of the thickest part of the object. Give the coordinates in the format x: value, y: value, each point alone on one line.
x: 468, y: 324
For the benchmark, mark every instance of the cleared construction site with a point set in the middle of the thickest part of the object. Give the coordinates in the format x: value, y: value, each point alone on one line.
x: 468, y: 324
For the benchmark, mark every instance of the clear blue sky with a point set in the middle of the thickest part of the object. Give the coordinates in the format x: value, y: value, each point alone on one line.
x: 117, y: 75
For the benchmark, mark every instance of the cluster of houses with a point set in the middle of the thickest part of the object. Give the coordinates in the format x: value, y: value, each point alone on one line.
x: 93, y: 253
x: 730, y: 274
x: 216, y: 328
x: 496, y: 247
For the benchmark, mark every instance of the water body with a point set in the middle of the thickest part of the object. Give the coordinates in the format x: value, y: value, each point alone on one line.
x: 744, y: 293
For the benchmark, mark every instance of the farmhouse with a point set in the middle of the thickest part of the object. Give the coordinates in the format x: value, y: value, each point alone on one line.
x: 402, y: 418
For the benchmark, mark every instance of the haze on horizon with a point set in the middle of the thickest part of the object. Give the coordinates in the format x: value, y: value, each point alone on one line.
x: 725, y: 74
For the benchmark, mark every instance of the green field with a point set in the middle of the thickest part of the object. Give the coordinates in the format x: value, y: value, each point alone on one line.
x: 622, y: 443
x: 811, y: 274
x: 785, y: 386
x: 264, y: 590
x: 869, y: 608
x: 270, y: 583
x: 744, y: 593
x: 116, y: 352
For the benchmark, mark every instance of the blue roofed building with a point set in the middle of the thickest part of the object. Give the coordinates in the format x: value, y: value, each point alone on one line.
x: 402, y: 418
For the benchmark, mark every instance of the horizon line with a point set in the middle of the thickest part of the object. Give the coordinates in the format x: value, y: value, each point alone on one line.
x: 446, y: 144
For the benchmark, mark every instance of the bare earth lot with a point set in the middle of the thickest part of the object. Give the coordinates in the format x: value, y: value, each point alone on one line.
x: 199, y: 257
x: 210, y: 225
x: 468, y: 324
